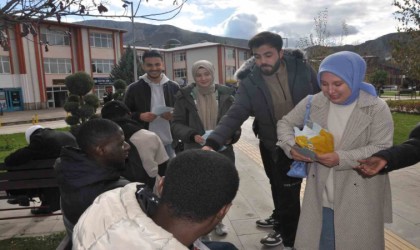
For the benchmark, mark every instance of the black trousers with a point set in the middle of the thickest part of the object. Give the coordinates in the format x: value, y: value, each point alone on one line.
x: 285, y: 191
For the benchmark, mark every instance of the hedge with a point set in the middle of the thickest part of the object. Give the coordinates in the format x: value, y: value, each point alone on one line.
x: 404, y: 106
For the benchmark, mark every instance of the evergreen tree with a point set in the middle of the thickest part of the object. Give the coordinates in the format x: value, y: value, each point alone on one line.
x: 407, y: 52
x: 124, y: 69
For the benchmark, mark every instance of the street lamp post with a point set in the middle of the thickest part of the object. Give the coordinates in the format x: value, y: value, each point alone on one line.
x: 133, y: 42
x: 287, y: 42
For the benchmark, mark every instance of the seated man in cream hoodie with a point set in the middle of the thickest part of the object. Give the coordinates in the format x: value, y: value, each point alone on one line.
x: 147, y: 158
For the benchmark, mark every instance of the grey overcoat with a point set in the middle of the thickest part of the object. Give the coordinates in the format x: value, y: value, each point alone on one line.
x: 361, y: 205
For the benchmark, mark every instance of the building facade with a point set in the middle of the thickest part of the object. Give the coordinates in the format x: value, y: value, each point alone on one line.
x: 33, y: 67
x: 179, y: 60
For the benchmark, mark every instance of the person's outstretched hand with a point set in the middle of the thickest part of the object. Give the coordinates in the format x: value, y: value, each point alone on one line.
x: 199, y: 139
x: 167, y: 116
x: 207, y: 148
x: 147, y: 116
x: 371, y: 166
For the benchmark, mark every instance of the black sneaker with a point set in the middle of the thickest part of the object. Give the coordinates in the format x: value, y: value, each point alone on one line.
x: 41, y: 210
x: 272, y: 239
x: 21, y: 200
x: 269, y: 222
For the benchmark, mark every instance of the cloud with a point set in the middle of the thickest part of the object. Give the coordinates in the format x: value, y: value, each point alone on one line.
x: 241, y: 26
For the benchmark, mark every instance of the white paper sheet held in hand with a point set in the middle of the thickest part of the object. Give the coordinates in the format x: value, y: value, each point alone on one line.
x: 206, y: 134
x: 159, y: 110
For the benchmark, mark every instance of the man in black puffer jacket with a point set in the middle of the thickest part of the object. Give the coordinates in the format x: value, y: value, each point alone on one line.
x: 276, y: 83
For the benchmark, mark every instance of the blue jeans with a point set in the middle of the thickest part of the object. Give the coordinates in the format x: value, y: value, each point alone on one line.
x: 219, y: 245
x: 327, y: 241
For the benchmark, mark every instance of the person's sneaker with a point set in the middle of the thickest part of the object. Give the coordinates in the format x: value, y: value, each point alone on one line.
x: 272, y: 239
x: 268, y: 222
x: 41, y: 210
x: 21, y: 200
x: 221, y: 229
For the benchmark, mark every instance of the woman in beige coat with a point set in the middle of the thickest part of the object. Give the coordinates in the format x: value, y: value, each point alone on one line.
x: 342, y: 209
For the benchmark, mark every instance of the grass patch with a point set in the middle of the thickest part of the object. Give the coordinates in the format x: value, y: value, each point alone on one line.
x: 403, y: 124
x: 34, y: 243
x: 389, y: 93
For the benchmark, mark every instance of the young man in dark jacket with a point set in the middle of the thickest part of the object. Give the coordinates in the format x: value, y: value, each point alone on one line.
x: 272, y: 88
x: 395, y: 157
x: 43, y: 143
x: 86, y: 172
x: 153, y: 92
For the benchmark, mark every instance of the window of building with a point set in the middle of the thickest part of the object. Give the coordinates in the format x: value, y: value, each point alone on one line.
x: 101, y: 40
x: 243, y: 55
x: 102, y: 65
x: 230, y: 71
x: 230, y: 53
x: 57, y: 66
x: 180, y: 57
x: 55, y: 37
x: 181, y: 73
x: 4, y: 65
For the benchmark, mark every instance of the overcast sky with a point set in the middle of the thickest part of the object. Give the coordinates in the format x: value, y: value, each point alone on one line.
x: 365, y: 19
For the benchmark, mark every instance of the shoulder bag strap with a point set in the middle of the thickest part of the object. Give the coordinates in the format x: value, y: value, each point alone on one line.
x: 308, y: 109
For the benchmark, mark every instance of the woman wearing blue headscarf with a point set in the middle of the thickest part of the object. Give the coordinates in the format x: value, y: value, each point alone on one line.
x: 341, y: 209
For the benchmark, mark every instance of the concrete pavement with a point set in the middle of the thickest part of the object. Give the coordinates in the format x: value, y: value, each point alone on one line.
x: 252, y: 202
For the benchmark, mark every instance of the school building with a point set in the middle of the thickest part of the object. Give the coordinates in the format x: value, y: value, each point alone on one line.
x: 179, y: 60
x: 33, y: 67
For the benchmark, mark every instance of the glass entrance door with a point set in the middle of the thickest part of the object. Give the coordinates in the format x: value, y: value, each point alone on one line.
x: 11, y: 99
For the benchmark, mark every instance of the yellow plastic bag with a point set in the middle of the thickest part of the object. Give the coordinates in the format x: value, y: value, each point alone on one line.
x: 315, y: 139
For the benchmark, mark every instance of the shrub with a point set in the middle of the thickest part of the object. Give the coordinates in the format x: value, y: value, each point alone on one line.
x: 81, y: 105
x: 120, y: 86
x: 404, y: 106
x: 79, y: 83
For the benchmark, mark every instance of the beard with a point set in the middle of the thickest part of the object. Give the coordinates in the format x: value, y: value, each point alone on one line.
x: 268, y: 70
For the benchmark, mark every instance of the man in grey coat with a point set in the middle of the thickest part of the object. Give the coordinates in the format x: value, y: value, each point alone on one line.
x: 272, y: 88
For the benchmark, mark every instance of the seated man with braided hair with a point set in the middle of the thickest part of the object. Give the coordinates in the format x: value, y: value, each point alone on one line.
x: 196, y: 193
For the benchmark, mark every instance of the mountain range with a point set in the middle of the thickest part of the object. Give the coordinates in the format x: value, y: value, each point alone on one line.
x: 158, y: 36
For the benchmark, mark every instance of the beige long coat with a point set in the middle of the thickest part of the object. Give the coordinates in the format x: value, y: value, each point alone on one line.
x: 361, y: 205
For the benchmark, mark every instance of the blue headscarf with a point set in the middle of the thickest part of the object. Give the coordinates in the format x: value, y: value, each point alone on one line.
x: 351, y: 68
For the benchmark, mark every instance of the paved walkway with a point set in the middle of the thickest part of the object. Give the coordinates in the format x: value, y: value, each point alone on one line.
x: 252, y: 202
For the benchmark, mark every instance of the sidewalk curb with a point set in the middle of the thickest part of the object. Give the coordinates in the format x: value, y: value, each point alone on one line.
x: 30, y: 121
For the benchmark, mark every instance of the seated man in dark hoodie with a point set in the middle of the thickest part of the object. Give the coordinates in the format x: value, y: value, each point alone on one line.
x: 147, y: 158
x: 43, y: 144
x: 86, y: 172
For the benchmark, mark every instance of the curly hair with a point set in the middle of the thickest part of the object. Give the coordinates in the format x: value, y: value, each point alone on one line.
x: 198, y: 184
x: 94, y: 132
x: 114, y: 110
